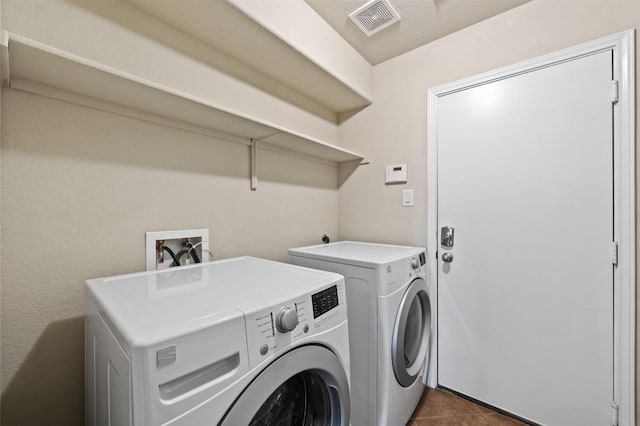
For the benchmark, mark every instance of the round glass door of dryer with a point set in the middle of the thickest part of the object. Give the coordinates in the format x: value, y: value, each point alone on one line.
x: 305, y: 387
x: 411, y: 333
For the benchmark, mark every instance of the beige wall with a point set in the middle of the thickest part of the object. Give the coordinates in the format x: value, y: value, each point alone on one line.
x: 79, y: 189
x: 394, y: 129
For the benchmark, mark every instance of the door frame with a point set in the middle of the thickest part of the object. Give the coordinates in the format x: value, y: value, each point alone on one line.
x: 624, y: 275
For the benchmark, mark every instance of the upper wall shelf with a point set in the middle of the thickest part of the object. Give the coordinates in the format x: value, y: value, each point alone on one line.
x: 32, y: 66
x: 291, y: 44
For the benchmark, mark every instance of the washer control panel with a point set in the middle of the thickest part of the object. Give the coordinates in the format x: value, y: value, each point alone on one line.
x: 277, y: 327
x: 324, y: 301
x: 418, y: 263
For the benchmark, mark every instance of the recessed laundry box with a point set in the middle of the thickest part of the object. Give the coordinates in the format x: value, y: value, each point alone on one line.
x: 389, y: 308
x: 219, y: 343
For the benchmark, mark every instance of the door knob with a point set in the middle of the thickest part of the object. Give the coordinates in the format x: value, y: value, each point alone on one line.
x: 447, y: 257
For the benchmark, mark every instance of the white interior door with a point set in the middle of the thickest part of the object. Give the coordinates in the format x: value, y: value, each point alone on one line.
x: 525, y: 307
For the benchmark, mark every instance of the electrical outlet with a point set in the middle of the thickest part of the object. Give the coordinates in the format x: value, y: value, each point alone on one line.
x: 168, y: 249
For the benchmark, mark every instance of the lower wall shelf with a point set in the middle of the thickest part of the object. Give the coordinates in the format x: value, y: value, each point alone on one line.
x: 38, y: 68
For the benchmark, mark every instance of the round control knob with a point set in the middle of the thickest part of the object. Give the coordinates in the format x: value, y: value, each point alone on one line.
x: 414, y: 263
x: 286, y: 320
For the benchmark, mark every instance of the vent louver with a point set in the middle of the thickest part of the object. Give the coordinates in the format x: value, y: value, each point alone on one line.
x: 374, y: 16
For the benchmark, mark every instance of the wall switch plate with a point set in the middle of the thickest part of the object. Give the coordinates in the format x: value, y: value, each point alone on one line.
x: 395, y: 174
x: 407, y: 198
x: 176, y: 242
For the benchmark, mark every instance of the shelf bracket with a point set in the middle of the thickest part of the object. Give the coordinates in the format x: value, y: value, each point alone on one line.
x: 254, y: 163
x: 254, y: 159
x: 5, y: 69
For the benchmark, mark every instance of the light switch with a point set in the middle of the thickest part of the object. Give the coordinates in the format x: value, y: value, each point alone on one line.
x: 407, y: 198
x: 395, y: 174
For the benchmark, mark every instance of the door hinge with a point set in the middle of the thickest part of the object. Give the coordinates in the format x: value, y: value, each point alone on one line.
x: 614, y: 413
x: 614, y: 91
x: 614, y: 253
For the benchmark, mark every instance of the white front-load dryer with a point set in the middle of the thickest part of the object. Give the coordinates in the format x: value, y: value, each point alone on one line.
x: 243, y: 341
x: 389, y: 324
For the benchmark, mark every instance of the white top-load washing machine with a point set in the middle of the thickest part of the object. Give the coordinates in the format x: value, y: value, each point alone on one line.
x: 243, y: 341
x: 389, y: 324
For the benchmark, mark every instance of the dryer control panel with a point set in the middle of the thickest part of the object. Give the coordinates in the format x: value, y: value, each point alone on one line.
x: 275, y: 328
x: 396, y: 274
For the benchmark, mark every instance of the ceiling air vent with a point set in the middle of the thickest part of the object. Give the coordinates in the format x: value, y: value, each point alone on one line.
x: 374, y: 16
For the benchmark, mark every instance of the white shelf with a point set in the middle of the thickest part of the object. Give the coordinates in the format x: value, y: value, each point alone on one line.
x: 32, y: 66
x: 316, y: 62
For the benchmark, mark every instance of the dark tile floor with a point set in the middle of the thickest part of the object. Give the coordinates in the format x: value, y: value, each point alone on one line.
x: 441, y: 408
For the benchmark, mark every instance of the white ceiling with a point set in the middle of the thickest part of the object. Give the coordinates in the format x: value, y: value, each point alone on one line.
x: 422, y: 21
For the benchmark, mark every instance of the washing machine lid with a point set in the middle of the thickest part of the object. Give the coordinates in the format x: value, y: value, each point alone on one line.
x: 368, y: 255
x: 154, y: 306
x: 306, y: 386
